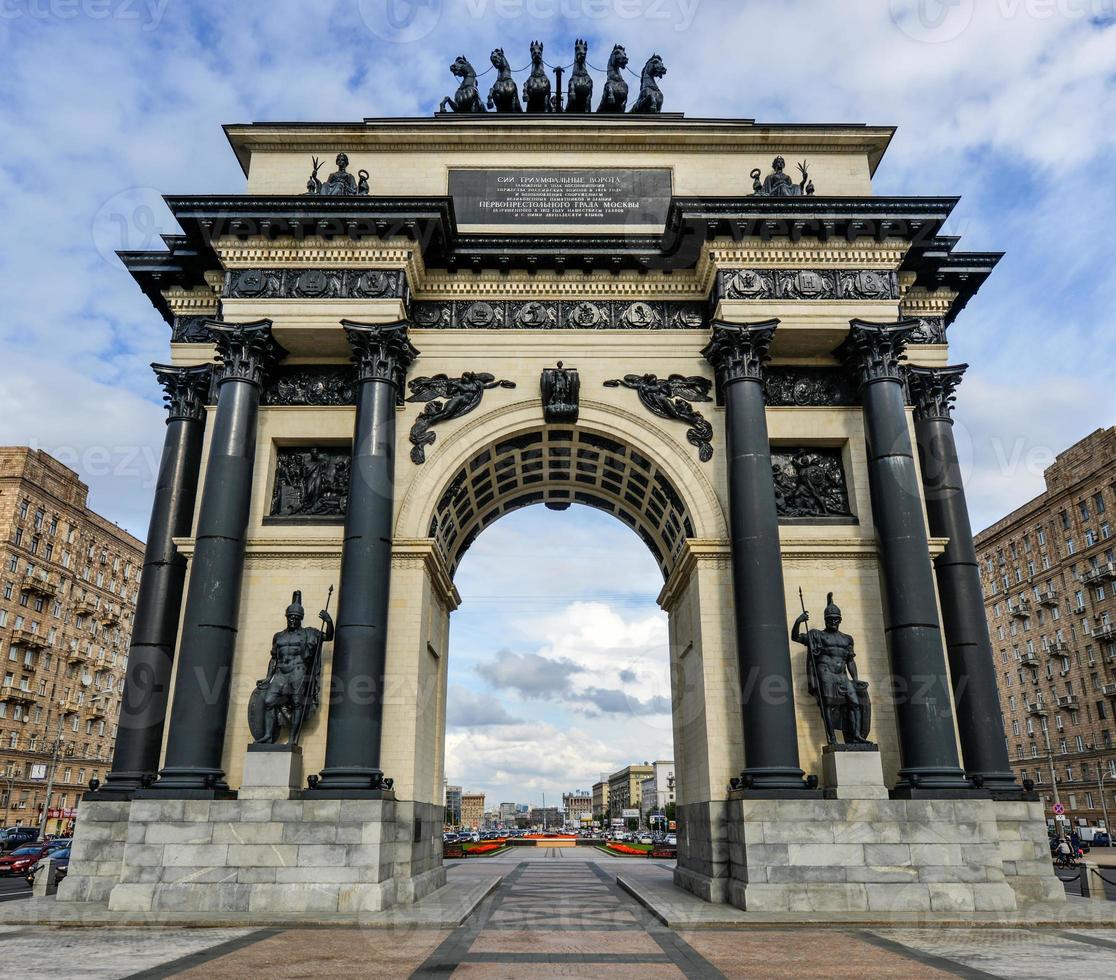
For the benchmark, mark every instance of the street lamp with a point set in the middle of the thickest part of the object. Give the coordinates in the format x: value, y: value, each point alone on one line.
x: 55, y: 750
x: 1053, y: 775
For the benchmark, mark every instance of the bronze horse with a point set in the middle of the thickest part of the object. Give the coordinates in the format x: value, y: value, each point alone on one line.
x: 466, y: 98
x: 536, y: 90
x: 580, y: 90
x: 650, y: 95
x: 504, y: 94
x: 615, y: 95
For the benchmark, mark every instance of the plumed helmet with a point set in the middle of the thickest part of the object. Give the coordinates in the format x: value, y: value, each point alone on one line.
x: 295, y: 608
x: 831, y: 608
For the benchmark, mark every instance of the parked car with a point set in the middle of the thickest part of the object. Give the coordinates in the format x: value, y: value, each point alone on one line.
x: 1102, y: 839
x: 646, y: 839
x: 58, y: 844
x: 61, y: 859
x: 14, y: 837
x: 672, y: 840
x: 21, y: 860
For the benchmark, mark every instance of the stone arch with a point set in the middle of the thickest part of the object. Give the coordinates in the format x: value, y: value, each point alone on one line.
x: 611, y: 459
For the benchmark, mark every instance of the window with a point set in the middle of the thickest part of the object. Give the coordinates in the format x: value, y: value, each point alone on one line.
x: 1083, y: 506
x: 1041, y: 536
x: 1071, y: 548
x: 19, y: 536
x: 1064, y: 515
x: 1098, y: 502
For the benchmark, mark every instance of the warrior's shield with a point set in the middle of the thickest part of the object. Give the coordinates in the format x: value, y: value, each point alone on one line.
x: 865, y: 708
x: 257, y: 713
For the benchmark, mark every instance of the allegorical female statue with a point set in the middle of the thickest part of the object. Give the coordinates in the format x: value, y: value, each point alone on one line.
x: 291, y: 690
x: 831, y: 677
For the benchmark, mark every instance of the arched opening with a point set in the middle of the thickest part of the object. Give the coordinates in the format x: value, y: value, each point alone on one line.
x: 559, y: 666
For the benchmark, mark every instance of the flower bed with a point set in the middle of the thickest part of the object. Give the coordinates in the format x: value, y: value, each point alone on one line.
x: 628, y: 850
x: 484, y: 847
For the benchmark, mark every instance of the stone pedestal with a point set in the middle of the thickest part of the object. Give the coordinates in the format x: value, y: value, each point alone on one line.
x: 255, y: 855
x: 46, y: 881
x: 271, y: 772
x: 882, y: 855
x: 97, y: 854
x: 852, y: 774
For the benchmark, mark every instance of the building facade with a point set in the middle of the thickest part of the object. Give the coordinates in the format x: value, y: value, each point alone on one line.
x: 67, y: 601
x: 600, y: 797
x: 1049, y: 576
x: 625, y: 787
x: 657, y: 790
x: 576, y: 806
x: 472, y: 811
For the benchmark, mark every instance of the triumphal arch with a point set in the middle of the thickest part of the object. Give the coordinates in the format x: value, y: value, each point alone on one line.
x: 399, y: 330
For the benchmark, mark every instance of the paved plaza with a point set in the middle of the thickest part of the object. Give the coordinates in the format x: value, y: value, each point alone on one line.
x: 561, y: 913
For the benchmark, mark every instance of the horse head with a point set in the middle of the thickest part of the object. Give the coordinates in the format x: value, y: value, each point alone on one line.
x: 536, y: 53
x: 581, y: 51
x: 654, y: 67
x: 618, y: 58
x: 461, y: 67
x: 499, y: 62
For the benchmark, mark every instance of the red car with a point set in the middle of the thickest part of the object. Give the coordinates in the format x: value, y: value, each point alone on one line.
x: 21, y: 860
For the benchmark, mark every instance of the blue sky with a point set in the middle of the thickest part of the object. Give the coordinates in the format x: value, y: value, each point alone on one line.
x: 108, y: 104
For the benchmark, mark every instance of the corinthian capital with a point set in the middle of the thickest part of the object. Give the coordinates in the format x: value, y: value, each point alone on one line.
x: 185, y: 390
x: 875, y: 351
x: 381, y: 351
x: 247, y: 351
x: 739, y: 351
x: 934, y: 390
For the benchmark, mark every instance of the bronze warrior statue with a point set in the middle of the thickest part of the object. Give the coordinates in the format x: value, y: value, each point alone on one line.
x: 290, y: 691
x: 831, y: 677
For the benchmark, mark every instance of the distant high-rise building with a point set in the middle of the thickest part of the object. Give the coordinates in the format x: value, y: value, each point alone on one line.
x: 69, y: 580
x: 472, y: 810
x: 453, y: 806
x: 600, y: 795
x: 624, y: 788
x: 576, y: 805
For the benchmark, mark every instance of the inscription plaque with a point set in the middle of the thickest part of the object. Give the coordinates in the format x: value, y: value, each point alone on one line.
x: 560, y: 196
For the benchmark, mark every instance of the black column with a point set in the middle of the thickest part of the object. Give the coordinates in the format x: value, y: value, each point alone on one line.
x: 382, y: 353
x: 971, y: 665
x: 201, y: 694
x: 143, y: 707
x: 923, y: 701
x: 738, y: 353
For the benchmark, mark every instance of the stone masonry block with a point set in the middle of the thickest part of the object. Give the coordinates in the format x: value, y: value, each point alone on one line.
x: 293, y: 898
x: 994, y: 897
x: 935, y: 854
x: 837, y: 897
x: 143, y: 855
x: 132, y: 897
x: 247, y: 833
x: 263, y: 855
x: 887, y: 854
x: 98, y: 811
x: 310, y: 833
x: 316, y: 874
x: 798, y: 833
x: 953, y: 897
x: 323, y: 855
x: 195, y: 855
x: 898, y: 898
x: 321, y: 810
x: 780, y: 875
x: 157, y: 811
x: 366, y: 897
x: 825, y: 855
x: 363, y: 811
x: 179, y: 833
x: 880, y: 874
x: 866, y: 833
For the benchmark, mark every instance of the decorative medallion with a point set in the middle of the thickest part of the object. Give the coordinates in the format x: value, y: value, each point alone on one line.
x: 748, y: 284
x: 929, y: 330
x: 482, y: 315
x: 805, y: 284
x: 331, y: 283
x: 372, y: 283
x: 254, y: 283
x: 587, y: 316
x: 317, y: 284
x: 191, y: 330
x: 429, y: 316
x: 641, y: 316
x: 534, y: 315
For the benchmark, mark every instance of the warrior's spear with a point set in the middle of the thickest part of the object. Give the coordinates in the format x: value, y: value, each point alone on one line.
x: 313, y: 680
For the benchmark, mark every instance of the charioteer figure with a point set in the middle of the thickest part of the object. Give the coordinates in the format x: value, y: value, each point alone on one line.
x: 832, y: 679
x: 292, y: 688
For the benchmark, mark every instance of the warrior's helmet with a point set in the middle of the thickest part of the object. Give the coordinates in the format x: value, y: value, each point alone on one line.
x: 295, y: 608
x: 832, y: 610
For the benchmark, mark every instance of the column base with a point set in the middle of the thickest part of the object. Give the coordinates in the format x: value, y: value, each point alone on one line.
x: 1002, y: 785
x: 349, y: 783
x: 935, y: 784
x: 120, y: 786
x: 187, y: 783
x: 775, y: 783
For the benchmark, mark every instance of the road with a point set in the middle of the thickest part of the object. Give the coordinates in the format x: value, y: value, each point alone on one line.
x: 12, y: 889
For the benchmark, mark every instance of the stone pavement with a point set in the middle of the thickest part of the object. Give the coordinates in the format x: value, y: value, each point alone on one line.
x: 560, y: 913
